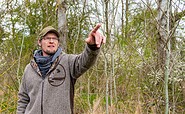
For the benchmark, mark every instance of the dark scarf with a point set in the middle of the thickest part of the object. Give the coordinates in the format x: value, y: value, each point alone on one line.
x: 44, y: 62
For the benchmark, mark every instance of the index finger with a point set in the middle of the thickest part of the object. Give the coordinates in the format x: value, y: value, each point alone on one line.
x: 96, y: 27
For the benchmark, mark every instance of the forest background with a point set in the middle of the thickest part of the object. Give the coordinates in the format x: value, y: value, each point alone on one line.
x: 140, y: 70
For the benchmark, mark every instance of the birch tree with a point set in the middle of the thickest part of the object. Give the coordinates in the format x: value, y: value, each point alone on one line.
x: 166, y: 28
x: 164, y: 42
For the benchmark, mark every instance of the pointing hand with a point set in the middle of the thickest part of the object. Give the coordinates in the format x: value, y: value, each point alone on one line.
x: 95, y: 37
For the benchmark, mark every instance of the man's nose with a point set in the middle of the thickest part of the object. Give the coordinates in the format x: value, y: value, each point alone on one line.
x: 51, y: 40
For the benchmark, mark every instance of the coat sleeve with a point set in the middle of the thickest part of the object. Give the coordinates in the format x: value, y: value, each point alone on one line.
x: 82, y: 62
x: 23, y: 98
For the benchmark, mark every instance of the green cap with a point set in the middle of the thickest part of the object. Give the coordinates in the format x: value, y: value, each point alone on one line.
x: 48, y: 29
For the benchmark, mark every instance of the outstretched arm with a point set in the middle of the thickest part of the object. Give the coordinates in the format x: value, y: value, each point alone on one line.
x: 81, y: 63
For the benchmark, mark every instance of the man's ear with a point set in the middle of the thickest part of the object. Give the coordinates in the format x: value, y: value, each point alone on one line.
x: 39, y: 43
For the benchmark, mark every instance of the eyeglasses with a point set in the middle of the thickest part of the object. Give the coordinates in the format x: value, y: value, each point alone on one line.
x: 50, y: 38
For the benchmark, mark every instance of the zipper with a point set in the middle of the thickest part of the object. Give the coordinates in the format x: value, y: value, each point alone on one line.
x: 42, y: 96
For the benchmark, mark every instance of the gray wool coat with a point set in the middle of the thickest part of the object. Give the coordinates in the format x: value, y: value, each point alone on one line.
x: 53, y: 94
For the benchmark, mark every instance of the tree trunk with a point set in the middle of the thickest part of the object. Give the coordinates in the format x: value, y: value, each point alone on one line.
x: 162, y: 24
x: 106, y: 2
x: 126, y: 19
x: 164, y: 43
x: 62, y: 23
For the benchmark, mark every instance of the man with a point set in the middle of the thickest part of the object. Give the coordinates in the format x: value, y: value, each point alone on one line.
x: 48, y: 82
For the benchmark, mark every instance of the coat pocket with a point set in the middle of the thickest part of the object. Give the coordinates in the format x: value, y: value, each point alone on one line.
x: 57, y: 77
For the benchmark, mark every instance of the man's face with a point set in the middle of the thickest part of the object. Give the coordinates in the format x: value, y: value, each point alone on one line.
x: 49, y: 44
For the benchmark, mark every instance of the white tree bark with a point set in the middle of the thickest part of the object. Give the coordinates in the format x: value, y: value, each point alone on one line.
x: 164, y: 42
